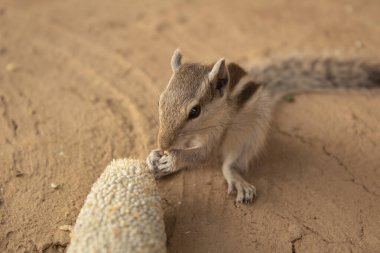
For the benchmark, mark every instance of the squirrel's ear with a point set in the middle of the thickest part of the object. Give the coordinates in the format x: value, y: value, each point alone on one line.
x: 219, y: 75
x: 219, y: 70
x: 176, y: 60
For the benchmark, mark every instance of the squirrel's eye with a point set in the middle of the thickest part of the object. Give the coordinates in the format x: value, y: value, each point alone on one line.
x: 194, y: 112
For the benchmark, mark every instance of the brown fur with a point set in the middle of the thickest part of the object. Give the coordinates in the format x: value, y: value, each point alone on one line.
x: 235, y: 117
x: 297, y: 75
x: 236, y: 73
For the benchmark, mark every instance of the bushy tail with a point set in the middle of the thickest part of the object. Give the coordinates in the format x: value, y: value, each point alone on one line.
x: 298, y: 75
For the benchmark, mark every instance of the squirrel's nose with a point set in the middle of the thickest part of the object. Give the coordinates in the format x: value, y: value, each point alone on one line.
x: 163, y: 145
x: 165, y: 141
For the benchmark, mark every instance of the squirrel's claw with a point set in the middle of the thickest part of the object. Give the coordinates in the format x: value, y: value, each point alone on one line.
x: 160, y: 164
x: 246, y: 193
x: 153, y: 159
x: 166, y: 165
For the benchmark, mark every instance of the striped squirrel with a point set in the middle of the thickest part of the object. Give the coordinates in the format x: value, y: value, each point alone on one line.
x: 222, y: 109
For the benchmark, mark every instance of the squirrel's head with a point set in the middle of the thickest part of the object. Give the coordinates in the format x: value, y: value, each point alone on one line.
x: 194, y: 104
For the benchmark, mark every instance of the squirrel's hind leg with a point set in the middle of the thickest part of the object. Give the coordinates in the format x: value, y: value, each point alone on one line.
x: 246, y: 192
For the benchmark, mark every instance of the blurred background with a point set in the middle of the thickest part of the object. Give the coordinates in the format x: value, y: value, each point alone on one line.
x: 79, y: 85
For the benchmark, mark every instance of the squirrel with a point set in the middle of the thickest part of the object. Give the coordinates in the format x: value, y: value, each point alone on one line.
x: 221, y: 109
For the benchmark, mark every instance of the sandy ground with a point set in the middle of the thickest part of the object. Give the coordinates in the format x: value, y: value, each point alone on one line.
x: 79, y: 84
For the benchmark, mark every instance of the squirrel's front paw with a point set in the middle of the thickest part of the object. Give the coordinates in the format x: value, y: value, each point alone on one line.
x: 153, y: 159
x: 166, y: 165
x: 160, y: 164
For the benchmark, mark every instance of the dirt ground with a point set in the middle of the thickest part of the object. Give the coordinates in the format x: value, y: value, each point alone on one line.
x: 79, y: 84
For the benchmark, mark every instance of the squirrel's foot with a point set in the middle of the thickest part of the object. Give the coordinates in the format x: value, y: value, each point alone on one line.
x: 246, y: 193
x: 160, y: 164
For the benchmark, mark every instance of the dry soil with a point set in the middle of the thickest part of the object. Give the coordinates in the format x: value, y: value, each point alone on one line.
x: 79, y: 84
